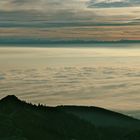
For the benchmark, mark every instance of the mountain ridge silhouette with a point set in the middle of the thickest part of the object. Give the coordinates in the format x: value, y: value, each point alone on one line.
x: 25, y: 121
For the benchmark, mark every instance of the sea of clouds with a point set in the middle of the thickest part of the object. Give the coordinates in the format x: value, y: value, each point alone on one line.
x: 104, y: 77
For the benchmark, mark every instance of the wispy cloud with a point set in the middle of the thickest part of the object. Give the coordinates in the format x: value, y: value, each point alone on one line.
x: 71, y: 14
x: 43, y: 5
x: 56, y: 10
x: 113, y: 3
x: 66, y: 10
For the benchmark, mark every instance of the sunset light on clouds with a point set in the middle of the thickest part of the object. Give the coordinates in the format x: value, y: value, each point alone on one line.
x: 75, y: 17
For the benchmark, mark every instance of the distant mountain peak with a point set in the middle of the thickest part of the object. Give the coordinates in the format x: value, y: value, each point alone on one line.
x: 10, y: 98
x: 10, y: 104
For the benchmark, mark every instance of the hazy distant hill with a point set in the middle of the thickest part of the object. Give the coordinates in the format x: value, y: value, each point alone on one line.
x: 40, y: 41
x: 100, y: 117
x: 22, y: 121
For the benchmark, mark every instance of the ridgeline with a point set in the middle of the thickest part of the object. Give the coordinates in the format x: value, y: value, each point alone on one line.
x: 24, y: 121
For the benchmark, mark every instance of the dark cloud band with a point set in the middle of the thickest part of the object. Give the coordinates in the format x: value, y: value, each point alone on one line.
x: 113, y: 3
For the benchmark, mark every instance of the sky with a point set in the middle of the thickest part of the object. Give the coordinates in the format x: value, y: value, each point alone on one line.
x: 66, y: 20
x: 70, y: 19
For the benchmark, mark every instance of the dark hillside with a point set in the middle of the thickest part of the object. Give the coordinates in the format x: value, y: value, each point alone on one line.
x: 100, y: 116
x: 23, y: 121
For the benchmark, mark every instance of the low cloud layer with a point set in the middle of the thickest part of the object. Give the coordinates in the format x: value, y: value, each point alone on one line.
x: 105, y: 77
